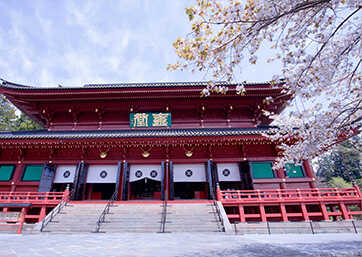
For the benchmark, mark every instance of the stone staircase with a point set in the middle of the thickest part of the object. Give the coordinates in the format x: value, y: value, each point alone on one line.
x: 133, y: 218
x: 136, y: 218
x: 75, y: 218
x: 300, y: 227
x: 194, y: 217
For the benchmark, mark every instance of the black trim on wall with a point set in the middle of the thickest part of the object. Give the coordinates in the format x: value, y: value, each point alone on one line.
x: 75, y: 180
x: 172, y: 186
x: 245, y: 176
x: 215, y: 175
x: 47, y: 177
x: 125, y: 178
x: 81, y: 181
x: 210, y: 180
x: 119, y: 168
x: 162, y: 180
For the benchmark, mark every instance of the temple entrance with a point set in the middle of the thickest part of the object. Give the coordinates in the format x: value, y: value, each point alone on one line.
x: 145, y: 189
x: 60, y: 187
x: 227, y: 185
x: 101, y: 191
x: 191, y: 190
x: 189, y: 181
x: 233, y: 176
x: 145, y: 182
x: 101, y: 182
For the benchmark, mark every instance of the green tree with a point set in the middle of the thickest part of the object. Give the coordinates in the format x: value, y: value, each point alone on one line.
x: 9, y: 121
x: 343, y: 162
x: 338, y: 182
x: 24, y: 123
x: 7, y: 115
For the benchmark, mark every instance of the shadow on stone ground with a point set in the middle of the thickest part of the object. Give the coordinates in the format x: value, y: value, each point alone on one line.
x: 182, y: 244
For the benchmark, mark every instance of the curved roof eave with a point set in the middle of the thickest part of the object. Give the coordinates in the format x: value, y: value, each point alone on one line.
x: 252, y: 85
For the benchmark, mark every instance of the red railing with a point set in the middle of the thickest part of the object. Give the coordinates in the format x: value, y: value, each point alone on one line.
x: 288, y: 195
x: 32, y: 197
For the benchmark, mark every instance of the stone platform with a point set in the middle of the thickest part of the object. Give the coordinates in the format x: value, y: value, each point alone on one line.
x: 180, y: 244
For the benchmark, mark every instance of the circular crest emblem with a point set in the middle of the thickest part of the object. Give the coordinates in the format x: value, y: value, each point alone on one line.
x: 226, y: 172
x: 138, y: 174
x: 153, y: 173
x: 103, y: 174
x: 66, y: 174
x: 188, y: 173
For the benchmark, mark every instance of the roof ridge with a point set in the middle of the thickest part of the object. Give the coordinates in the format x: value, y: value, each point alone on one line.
x: 9, y: 84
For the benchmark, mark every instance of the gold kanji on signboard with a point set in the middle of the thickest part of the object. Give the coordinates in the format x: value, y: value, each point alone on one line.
x: 140, y: 120
x: 160, y: 119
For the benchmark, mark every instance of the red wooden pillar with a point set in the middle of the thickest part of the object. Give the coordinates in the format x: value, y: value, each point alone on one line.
x: 90, y: 191
x: 167, y: 180
x: 241, y: 213
x: 17, y: 176
x: 324, y: 212
x: 344, y: 211
x: 121, y: 187
x: 129, y: 191
x: 281, y: 175
x: 309, y: 172
x: 304, y: 212
x: 21, y: 221
x: 42, y: 213
x: 283, y: 212
x: 262, y: 213
x: 218, y: 192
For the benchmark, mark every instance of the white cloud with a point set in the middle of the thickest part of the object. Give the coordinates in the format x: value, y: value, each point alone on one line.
x: 73, y: 43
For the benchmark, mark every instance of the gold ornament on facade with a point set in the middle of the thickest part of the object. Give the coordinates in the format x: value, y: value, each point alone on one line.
x: 146, y: 153
x: 188, y: 152
x: 103, y: 155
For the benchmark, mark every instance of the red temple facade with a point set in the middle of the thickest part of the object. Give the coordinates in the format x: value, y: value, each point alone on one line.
x: 157, y: 141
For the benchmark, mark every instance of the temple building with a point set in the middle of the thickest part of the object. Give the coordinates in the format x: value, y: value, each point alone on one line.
x: 156, y: 142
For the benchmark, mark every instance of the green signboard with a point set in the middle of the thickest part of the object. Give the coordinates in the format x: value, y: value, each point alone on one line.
x: 149, y: 119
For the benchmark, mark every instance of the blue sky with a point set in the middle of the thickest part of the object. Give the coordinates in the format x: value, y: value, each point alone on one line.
x: 72, y: 43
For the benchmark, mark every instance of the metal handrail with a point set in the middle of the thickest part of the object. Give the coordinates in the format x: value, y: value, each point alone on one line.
x: 164, y: 213
x: 219, y: 215
x: 52, y: 214
x: 105, y: 211
x: 57, y: 209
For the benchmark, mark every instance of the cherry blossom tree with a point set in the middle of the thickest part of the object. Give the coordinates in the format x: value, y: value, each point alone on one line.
x: 318, y: 43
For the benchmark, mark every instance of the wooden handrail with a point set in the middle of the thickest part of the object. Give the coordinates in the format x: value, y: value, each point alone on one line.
x: 288, y: 194
x: 32, y: 197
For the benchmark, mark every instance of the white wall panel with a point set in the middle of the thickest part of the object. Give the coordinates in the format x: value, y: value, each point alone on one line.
x: 65, y: 174
x: 189, y: 172
x: 138, y: 172
x: 102, y: 174
x: 228, y: 171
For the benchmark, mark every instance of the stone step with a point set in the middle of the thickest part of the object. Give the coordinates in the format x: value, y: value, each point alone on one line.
x: 131, y: 230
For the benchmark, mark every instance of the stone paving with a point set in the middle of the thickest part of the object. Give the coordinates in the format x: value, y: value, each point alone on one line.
x: 180, y: 244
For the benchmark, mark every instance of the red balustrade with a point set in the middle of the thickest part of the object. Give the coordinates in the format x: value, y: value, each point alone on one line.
x: 288, y: 195
x: 324, y: 203
x: 33, y: 197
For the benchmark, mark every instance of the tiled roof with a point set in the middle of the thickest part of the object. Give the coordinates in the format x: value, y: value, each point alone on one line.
x: 7, y: 84
x: 135, y: 133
